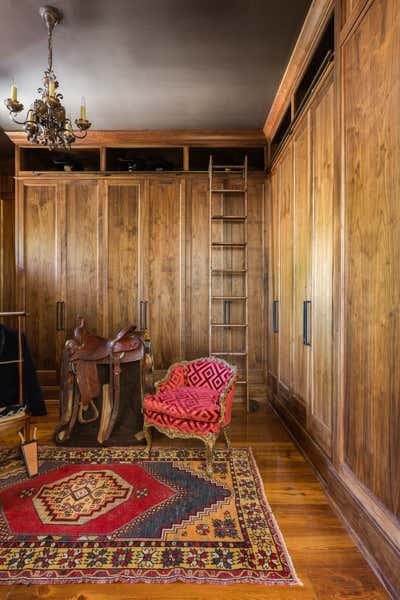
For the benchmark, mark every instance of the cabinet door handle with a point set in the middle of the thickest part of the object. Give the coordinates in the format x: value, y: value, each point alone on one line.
x: 224, y: 317
x: 63, y: 316
x: 141, y: 315
x: 60, y: 316
x: 306, y: 339
x: 275, y: 324
x: 145, y: 313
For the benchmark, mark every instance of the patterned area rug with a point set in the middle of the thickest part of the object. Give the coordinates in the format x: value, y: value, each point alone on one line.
x: 116, y: 515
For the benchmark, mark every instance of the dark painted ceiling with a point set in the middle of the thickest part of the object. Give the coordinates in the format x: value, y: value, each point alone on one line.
x: 155, y: 64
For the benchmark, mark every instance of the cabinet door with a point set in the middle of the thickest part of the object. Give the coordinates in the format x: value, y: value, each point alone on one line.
x: 371, y: 143
x: 84, y: 244
x: 302, y: 219
x: 38, y: 253
x: 286, y: 270
x: 320, y: 406
x: 274, y: 272
x: 255, y: 281
x: 197, y: 268
x: 122, y: 255
x: 162, y: 265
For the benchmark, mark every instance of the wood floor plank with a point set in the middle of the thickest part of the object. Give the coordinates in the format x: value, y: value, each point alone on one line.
x: 324, y: 555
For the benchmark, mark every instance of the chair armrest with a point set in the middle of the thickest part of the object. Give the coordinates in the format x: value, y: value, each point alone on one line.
x: 226, y: 400
x: 175, y: 378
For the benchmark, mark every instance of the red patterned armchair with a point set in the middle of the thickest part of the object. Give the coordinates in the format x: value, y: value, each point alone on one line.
x: 194, y: 400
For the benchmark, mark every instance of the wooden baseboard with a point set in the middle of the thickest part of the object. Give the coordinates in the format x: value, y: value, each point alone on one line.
x: 379, y: 551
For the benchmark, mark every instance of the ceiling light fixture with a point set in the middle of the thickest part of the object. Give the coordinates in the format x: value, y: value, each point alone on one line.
x: 46, y: 121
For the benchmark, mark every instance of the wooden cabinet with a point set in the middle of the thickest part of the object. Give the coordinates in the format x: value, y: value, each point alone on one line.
x: 163, y: 268
x: 320, y: 406
x: 121, y: 254
x: 286, y: 269
x: 130, y: 249
x: 302, y: 250
x: 38, y: 268
x: 81, y: 285
x: 371, y: 411
x: 301, y: 271
x: 274, y: 272
x: 255, y: 279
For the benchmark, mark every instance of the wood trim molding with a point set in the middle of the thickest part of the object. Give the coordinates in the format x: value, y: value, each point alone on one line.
x: 313, y: 24
x: 378, y: 549
x: 125, y: 138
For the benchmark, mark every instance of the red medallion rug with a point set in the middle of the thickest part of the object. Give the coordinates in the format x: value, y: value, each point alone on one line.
x: 116, y: 515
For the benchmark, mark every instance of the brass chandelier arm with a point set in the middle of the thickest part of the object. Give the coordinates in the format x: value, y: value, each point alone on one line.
x: 46, y: 122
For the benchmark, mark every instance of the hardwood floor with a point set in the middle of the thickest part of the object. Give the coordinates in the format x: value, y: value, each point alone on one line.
x: 324, y: 555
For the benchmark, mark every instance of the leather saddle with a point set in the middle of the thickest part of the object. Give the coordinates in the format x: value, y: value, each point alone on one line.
x: 86, y: 350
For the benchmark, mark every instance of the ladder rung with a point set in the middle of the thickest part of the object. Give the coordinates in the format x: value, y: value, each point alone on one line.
x: 243, y: 325
x: 228, y: 353
x: 228, y: 245
x: 229, y: 298
x: 11, y: 362
x: 237, y: 167
x: 228, y: 218
x: 229, y: 191
x: 229, y: 271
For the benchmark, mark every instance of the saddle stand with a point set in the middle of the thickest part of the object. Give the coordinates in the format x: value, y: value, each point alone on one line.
x: 80, y: 383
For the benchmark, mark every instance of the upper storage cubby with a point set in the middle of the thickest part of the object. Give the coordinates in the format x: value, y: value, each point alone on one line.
x: 282, y: 131
x: 144, y: 159
x: 42, y: 159
x: 320, y: 58
x: 199, y: 158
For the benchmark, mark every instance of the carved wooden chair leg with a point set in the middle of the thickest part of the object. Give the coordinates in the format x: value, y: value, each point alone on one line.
x: 227, y: 436
x: 147, y: 435
x: 209, y: 456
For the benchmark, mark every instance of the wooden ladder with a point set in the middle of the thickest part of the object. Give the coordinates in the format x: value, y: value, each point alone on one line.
x: 233, y: 224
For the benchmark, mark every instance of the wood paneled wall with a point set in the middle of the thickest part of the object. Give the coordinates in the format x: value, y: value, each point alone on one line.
x: 7, y: 226
x: 345, y: 220
x: 122, y: 248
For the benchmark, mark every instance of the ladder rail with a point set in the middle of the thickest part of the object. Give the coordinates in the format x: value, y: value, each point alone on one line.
x: 228, y: 328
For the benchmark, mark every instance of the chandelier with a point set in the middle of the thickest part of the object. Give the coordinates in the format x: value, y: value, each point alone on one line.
x: 46, y: 122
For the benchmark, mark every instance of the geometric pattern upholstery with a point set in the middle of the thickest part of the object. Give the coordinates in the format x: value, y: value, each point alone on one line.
x: 185, y: 425
x: 205, y: 373
x: 176, y: 378
x: 197, y: 404
x: 193, y: 400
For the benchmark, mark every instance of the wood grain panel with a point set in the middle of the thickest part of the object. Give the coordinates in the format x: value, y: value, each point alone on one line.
x: 123, y: 255
x: 274, y: 271
x: 371, y: 97
x: 7, y: 254
x: 163, y: 268
x: 40, y: 253
x: 322, y: 115
x: 255, y: 281
x: 82, y: 223
x: 302, y: 237
x: 286, y: 269
x: 197, y: 268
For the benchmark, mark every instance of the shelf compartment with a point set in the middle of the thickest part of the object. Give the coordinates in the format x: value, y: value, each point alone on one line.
x: 231, y: 158
x: 144, y: 159
x: 75, y: 160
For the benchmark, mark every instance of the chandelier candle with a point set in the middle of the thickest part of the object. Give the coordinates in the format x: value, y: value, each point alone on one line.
x: 46, y: 122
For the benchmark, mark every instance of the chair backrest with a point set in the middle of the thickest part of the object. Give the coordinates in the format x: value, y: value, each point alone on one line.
x: 211, y: 373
